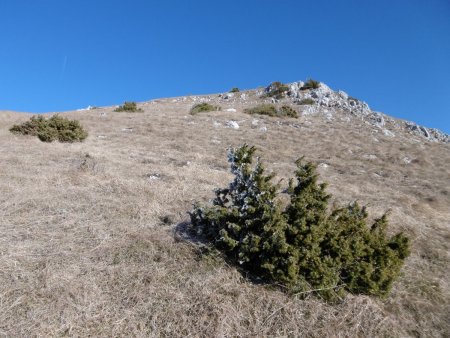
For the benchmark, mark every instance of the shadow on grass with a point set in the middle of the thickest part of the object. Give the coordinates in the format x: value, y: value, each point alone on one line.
x: 208, y: 253
x: 184, y: 232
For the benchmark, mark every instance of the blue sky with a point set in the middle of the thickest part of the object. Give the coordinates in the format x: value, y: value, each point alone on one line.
x: 61, y: 55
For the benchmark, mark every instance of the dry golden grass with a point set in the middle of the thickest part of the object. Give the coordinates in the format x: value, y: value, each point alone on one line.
x: 92, y: 239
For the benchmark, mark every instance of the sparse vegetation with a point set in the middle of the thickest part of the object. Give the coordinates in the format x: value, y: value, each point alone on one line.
x: 307, y: 101
x: 128, y: 107
x: 234, y: 90
x: 203, y: 108
x: 288, y: 111
x: 272, y: 110
x: 263, y: 109
x: 300, y: 246
x: 277, y: 90
x: 311, y: 84
x: 87, y: 250
x: 55, y: 128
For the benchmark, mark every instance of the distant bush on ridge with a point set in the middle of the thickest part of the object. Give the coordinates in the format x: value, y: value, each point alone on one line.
x: 311, y: 84
x: 128, y: 107
x: 203, y: 107
x: 276, y: 90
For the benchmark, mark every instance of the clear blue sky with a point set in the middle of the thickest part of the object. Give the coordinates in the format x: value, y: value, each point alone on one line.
x: 60, y: 55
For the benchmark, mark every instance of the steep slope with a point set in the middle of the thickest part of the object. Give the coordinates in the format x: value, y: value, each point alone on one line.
x: 92, y: 237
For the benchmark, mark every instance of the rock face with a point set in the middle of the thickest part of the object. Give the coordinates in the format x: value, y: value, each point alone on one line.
x: 324, y: 96
x: 431, y: 134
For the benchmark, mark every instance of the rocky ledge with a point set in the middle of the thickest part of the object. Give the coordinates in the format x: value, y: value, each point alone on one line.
x: 324, y: 96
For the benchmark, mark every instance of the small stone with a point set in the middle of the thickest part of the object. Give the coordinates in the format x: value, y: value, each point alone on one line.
x: 233, y: 124
x: 370, y: 157
x: 388, y: 133
x: 228, y: 96
x: 343, y: 95
x: 154, y: 176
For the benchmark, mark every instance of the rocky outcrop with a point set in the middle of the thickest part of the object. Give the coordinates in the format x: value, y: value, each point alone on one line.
x: 324, y: 96
x: 327, y: 102
x: 431, y: 134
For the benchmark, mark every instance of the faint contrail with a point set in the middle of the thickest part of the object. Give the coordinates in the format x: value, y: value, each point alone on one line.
x: 63, y: 70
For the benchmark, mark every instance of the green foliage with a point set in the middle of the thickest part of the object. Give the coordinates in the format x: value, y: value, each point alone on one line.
x: 272, y: 110
x: 307, y: 101
x: 277, y: 90
x: 263, y: 109
x: 128, y: 107
x: 203, y: 107
x: 234, y: 90
x: 311, y: 84
x: 302, y: 246
x: 287, y: 111
x: 55, y: 128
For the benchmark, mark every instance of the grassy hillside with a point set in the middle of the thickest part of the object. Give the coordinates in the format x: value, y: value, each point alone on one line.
x: 93, y: 235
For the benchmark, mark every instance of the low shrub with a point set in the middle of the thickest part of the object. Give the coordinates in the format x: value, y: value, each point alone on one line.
x: 203, y: 107
x: 128, y: 107
x: 234, y: 90
x: 272, y: 110
x: 311, y: 84
x: 277, y: 90
x: 301, y: 246
x: 55, y: 128
x: 287, y: 111
x: 307, y: 101
x: 262, y: 109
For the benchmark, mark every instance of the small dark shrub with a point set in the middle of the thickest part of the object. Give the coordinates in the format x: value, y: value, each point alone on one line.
x: 128, y: 107
x: 55, y: 128
x: 272, y: 110
x: 276, y: 90
x: 288, y: 111
x: 311, y: 84
x: 307, y: 101
x: 234, y: 90
x: 303, y: 246
x: 203, y: 107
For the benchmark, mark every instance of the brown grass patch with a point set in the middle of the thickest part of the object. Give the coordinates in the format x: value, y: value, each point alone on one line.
x: 83, y: 250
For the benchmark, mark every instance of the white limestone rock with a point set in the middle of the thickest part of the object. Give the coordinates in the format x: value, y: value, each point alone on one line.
x: 227, y: 96
x: 233, y: 124
x: 388, y: 133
